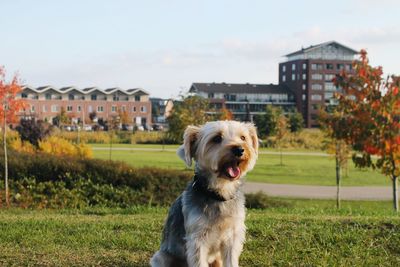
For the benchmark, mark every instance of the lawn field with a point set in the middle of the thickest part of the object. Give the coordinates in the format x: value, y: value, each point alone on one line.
x: 297, y: 169
x: 309, y: 233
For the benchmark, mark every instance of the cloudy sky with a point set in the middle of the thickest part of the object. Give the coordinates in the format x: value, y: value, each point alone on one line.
x: 163, y: 46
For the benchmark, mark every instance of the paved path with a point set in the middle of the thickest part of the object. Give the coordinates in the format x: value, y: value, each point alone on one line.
x: 321, y: 192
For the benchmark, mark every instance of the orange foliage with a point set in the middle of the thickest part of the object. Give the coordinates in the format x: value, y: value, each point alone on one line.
x: 8, y: 101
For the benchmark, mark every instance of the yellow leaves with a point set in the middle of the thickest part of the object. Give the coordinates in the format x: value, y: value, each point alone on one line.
x: 61, y: 147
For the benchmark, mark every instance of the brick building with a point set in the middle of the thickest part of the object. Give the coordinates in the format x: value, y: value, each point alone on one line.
x: 309, y: 73
x: 45, y: 103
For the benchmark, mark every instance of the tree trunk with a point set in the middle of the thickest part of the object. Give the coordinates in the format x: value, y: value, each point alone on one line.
x: 338, y: 175
x: 395, y: 194
x: 338, y: 180
x: 5, y: 162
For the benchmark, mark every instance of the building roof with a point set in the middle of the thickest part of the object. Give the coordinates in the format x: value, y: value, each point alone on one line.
x: 86, y: 91
x: 313, y: 47
x: 237, y: 88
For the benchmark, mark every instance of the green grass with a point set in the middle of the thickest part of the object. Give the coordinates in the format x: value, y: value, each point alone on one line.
x: 305, y: 170
x: 310, y: 233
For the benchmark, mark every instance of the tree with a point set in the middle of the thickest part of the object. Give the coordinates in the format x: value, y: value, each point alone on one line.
x: 33, y: 131
x: 370, y: 107
x: 266, y: 123
x: 333, y: 124
x: 281, y: 131
x: 191, y: 110
x: 296, y: 122
x: 225, y: 114
x: 9, y: 107
x: 61, y: 118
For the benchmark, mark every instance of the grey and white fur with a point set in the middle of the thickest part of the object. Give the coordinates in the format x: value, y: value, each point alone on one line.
x: 205, y: 225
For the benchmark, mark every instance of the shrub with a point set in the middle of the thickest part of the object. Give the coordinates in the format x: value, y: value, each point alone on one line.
x: 260, y: 200
x: 58, y: 146
x: 306, y: 139
x: 44, y: 180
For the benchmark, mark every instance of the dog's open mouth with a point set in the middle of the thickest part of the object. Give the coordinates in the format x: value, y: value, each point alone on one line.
x: 232, y: 170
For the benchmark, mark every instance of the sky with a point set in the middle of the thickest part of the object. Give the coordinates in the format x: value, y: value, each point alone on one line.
x: 165, y: 46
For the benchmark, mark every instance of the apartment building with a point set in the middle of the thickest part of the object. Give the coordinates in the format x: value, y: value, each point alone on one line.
x: 309, y: 73
x: 46, y: 102
x: 245, y: 100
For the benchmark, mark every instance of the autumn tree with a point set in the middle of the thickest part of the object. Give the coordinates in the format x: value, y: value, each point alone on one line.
x: 370, y: 121
x: 9, y: 107
x: 33, y: 131
x: 333, y: 123
x: 190, y: 110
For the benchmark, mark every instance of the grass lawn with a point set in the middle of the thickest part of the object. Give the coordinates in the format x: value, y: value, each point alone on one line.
x: 306, y: 170
x: 310, y: 233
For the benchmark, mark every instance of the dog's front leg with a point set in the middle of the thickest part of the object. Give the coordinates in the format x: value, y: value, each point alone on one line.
x: 232, y: 248
x: 196, y: 252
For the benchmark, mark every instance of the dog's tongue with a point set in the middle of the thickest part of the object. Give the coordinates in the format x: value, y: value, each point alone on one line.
x: 233, y: 171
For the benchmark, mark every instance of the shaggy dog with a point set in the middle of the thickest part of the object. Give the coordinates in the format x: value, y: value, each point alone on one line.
x: 205, y: 225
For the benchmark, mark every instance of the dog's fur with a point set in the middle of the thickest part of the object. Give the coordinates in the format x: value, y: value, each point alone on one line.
x: 205, y: 225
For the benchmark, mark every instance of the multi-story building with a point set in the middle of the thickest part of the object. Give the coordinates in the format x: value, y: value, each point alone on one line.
x: 309, y: 73
x: 46, y: 102
x: 244, y: 100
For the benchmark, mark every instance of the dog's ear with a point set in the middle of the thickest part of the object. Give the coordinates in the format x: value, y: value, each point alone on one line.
x: 186, y: 151
x: 253, y: 134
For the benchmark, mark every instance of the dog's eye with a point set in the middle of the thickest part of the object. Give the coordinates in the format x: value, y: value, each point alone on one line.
x: 243, y: 138
x: 217, y: 139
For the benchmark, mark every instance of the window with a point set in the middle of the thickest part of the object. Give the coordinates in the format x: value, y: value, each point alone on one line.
x: 316, y: 76
x: 304, y: 76
x: 114, y: 109
x: 313, y: 66
x: 210, y: 95
x: 284, y: 78
x: 24, y: 95
x: 293, y: 77
x: 115, y: 98
x: 304, y: 86
x: 100, y: 109
x: 83, y: 97
x: 90, y: 109
x: 348, y: 67
x: 330, y: 87
x: 134, y: 109
x: 329, y: 77
x: 304, y: 97
x: 71, y: 97
x: 316, y: 97
x: 48, y: 96
x: 123, y: 108
x: 142, y: 109
x: 304, y: 66
x: 328, y: 96
x: 316, y: 86
x: 54, y: 108
x: 284, y: 68
x: 93, y: 97
x: 329, y: 66
x: 340, y: 66
x: 32, y: 108
x: 69, y: 108
x: 293, y: 66
x: 137, y: 98
x: 79, y: 108
x: 44, y: 109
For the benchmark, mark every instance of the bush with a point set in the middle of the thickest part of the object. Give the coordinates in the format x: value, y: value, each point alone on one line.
x: 44, y: 180
x: 306, y: 139
x: 260, y: 200
x: 61, y: 147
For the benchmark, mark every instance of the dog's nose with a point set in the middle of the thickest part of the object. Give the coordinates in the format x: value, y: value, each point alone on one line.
x: 237, y: 151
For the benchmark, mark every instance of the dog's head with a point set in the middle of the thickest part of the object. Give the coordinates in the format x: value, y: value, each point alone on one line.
x: 225, y: 149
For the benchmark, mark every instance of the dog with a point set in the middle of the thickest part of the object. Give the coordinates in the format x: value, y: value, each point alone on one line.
x: 205, y: 225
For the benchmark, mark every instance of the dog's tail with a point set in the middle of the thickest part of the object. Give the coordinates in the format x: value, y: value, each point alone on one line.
x: 164, y: 259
